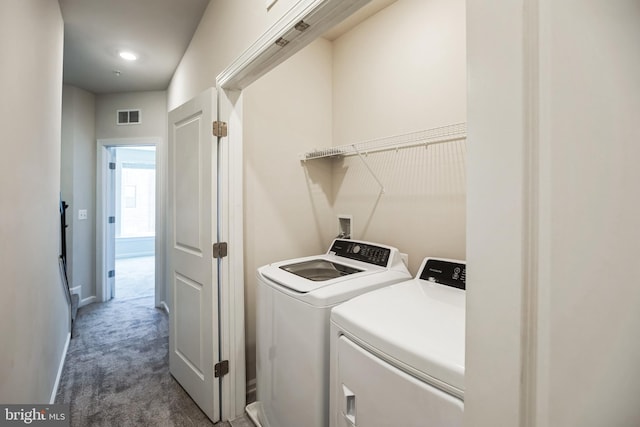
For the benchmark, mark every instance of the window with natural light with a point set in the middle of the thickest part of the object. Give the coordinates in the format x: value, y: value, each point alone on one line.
x: 136, y: 201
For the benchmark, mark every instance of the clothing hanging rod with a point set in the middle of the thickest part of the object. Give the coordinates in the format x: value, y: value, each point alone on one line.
x: 439, y: 135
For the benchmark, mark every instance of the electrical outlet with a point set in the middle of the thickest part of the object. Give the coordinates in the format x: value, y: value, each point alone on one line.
x: 82, y: 214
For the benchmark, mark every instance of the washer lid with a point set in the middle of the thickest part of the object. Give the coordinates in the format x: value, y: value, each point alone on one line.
x: 416, y: 325
x: 355, y: 266
x: 320, y: 270
x: 308, y: 274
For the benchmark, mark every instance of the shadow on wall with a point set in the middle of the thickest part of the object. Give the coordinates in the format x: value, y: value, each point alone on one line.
x: 319, y: 189
x: 423, y: 194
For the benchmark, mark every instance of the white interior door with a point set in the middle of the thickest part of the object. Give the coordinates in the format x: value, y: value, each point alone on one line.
x: 192, y: 199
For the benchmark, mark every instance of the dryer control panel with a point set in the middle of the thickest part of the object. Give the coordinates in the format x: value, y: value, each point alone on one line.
x: 445, y: 272
x: 361, y: 251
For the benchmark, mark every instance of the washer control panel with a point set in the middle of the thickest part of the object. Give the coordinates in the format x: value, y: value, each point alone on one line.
x: 445, y: 272
x: 361, y: 251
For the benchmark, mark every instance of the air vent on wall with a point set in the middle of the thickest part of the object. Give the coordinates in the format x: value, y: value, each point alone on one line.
x: 128, y: 117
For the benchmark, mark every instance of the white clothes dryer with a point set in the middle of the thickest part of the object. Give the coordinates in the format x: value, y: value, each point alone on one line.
x: 397, y: 353
x: 294, y: 301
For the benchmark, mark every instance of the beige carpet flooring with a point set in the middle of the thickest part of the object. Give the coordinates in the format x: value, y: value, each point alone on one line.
x: 117, y: 368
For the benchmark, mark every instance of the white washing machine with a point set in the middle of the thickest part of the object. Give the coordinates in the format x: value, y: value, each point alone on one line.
x: 294, y: 301
x: 397, y: 353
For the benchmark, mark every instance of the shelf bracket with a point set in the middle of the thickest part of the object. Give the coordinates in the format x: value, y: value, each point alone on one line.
x: 366, y: 164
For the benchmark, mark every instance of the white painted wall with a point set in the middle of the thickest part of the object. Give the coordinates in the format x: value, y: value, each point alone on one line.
x: 569, y: 128
x: 153, y: 113
x: 591, y: 104
x: 153, y: 106
x: 86, y: 118
x: 78, y: 159
x: 403, y: 70
x: 286, y: 204
x: 66, y: 171
x: 226, y: 30
x: 33, y: 308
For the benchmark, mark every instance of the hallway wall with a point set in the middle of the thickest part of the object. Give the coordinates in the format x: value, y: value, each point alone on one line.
x: 153, y: 106
x: 85, y: 119
x: 34, y: 314
x: 226, y: 30
x: 78, y: 177
x: 153, y: 114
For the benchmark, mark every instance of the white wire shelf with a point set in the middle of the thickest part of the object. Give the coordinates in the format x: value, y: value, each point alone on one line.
x: 439, y: 135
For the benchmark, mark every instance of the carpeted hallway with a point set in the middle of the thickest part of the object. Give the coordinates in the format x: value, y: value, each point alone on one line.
x: 117, y: 368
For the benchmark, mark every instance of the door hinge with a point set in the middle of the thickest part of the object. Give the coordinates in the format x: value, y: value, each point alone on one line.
x: 112, y: 165
x: 220, y: 250
x: 221, y: 369
x: 112, y: 220
x: 219, y: 129
x: 111, y: 273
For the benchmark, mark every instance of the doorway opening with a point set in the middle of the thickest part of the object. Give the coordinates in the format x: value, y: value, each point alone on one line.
x: 129, y: 221
x: 134, y: 199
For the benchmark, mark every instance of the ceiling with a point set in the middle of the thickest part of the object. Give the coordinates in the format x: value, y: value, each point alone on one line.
x: 158, y: 31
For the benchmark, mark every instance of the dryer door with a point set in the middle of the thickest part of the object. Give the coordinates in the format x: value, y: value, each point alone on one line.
x: 373, y: 393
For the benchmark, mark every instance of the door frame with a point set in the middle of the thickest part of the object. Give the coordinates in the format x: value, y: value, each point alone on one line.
x: 102, y: 167
x: 252, y: 64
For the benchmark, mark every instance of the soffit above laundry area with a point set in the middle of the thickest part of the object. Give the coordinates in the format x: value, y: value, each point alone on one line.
x: 157, y: 31
x: 370, y: 9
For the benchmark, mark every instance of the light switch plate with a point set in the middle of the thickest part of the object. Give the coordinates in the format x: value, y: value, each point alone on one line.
x: 82, y: 214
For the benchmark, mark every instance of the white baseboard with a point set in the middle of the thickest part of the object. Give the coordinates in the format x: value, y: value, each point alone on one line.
x: 87, y: 301
x: 75, y: 290
x: 164, y: 306
x: 52, y: 399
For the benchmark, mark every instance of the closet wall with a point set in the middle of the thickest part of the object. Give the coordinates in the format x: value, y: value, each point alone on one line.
x: 403, y: 70
x: 287, y: 206
x: 77, y: 188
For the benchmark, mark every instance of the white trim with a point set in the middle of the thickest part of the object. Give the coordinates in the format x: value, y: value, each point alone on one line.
x: 530, y: 238
x: 76, y: 290
x: 503, y: 228
x: 87, y: 301
x: 161, y: 225
x: 232, y: 342
x: 264, y: 55
x: 56, y: 384
x: 163, y: 305
x: 101, y: 214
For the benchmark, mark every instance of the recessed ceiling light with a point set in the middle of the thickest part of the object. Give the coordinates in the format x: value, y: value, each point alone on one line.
x: 129, y: 56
